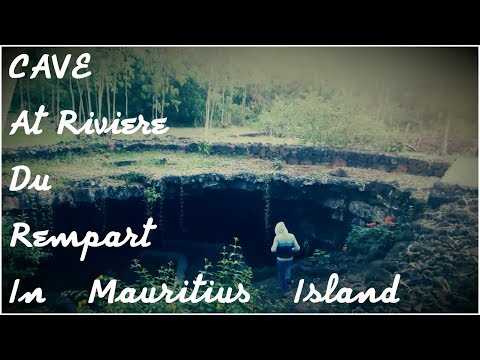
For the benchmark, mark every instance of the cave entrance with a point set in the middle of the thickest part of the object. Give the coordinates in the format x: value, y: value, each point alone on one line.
x: 210, y: 220
x: 218, y: 216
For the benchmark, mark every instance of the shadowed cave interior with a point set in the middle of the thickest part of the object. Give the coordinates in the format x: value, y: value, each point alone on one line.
x: 210, y: 220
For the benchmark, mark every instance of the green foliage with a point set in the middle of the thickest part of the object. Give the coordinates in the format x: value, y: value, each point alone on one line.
x: 278, y: 164
x: 371, y: 243
x: 320, y: 258
x: 150, y: 195
x: 160, y: 213
x: 18, y: 262
x: 329, y: 120
x: 191, y: 109
x: 204, y: 148
x: 229, y: 271
x: 243, y: 85
x: 266, y: 211
x: 131, y: 177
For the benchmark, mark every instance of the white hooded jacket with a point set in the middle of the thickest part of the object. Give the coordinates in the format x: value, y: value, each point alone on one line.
x: 284, y: 243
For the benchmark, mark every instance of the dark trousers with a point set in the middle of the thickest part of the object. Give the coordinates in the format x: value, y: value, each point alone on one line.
x: 284, y: 274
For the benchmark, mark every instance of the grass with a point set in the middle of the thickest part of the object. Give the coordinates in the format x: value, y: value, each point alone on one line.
x: 228, y: 135
x: 63, y: 170
x: 231, y: 134
x: 47, y: 137
x: 77, y: 167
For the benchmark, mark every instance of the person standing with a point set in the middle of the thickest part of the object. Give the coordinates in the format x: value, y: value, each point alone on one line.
x: 284, y: 245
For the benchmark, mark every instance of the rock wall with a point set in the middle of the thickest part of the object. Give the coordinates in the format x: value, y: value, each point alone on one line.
x: 440, y: 267
x: 294, y: 155
x: 364, y: 200
x: 438, y: 264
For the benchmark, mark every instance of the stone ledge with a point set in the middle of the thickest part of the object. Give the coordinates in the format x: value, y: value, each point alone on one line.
x: 293, y: 155
x: 332, y: 192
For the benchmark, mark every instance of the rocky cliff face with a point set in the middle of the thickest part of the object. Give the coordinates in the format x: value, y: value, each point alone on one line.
x: 438, y: 264
x: 365, y: 200
x: 438, y: 261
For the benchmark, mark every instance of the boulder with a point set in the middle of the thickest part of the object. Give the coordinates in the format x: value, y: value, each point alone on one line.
x: 161, y: 161
x: 339, y: 172
x: 125, y: 162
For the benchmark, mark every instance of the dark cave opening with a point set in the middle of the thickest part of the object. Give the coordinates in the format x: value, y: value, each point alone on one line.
x: 198, y: 218
x: 210, y: 220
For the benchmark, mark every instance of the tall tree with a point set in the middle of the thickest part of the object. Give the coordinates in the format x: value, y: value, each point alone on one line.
x: 8, y: 84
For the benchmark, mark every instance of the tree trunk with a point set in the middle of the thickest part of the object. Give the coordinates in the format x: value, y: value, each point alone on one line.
x: 71, y: 92
x: 22, y: 103
x: 229, y: 119
x: 164, y: 90
x: 53, y: 101
x: 223, y: 106
x: 81, y: 110
x: 212, y: 111
x: 89, y: 100
x: 8, y: 84
x: 108, y: 99
x: 114, y: 113
x: 211, y: 114
x: 100, y: 97
x: 207, y: 112
x: 406, y: 132
x: 244, y: 100
x: 445, y: 138
x: 58, y: 101
x: 8, y: 90
x: 28, y: 97
x: 126, y: 98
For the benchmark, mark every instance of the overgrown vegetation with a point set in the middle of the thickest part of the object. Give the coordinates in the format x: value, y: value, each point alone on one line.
x: 266, y: 210
x: 320, y: 258
x: 204, y: 148
x: 371, y: 243
x: 278, y: 164
x: 329, y: 120
x: 131, y: 177
x: 19, y: 262
x: 65, y: 170
x: 160, y: 212
x: 181, y: 218
x: 150, y: 195
x: 229, y: 271
x: 224, y: 87
x: 150, y: 198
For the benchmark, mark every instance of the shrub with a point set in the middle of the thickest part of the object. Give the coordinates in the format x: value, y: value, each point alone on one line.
x: 329, y: 120
x: 229, y: 271
x: 204, y: 147
x: 320, y: 258
x: 18, y: 262
x: 278, y: 164
x: 131, y: 177
x: 371, y: 243
x: 150, y: 195
x: 150, y: 198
